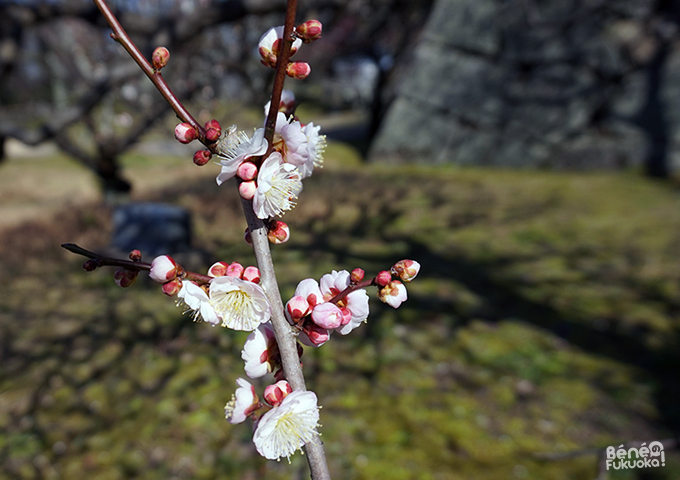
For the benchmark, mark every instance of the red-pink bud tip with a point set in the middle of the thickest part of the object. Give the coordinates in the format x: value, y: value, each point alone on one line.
x: 124, y: 277
x: 218, y: 269
x: 274, y: 394
x: 212, y: 135
x: 202, y: 157
x: 278, y: 232
x: 160, y: 57
x: 185, y: 133
x: 309, y: 31
x: 247, y: 189
x: 247, y: 171
x: 213, y: 124
x: 357, y: 275
x: 383, y: 278
x: 251, y: 274
x: 172, y: 287
x: 298, y: 70
x: 91, y: 265
x: 135, y: 256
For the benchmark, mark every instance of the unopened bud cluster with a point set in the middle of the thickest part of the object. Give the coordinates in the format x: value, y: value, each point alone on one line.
x: 271, y: 42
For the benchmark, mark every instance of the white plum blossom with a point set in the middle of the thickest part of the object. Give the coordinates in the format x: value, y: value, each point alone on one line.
x: 393, y: 294
x: 290, y: 140
x: 198, y: 301
x: 269, y: 46
x: 288, y: 426
x: 259, y: 351
x: 316, y: 145
x: 238, y: 150
x: 309, y: 290
x: 354, y: 305
x: 278, y: 186
x: 241, y: 305
x: 243, y: 402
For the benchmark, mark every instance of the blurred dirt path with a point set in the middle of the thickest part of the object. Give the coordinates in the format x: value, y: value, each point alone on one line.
x: 35, y: 184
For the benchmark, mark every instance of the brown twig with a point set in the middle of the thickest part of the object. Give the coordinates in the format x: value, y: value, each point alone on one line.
x: 120, y: 36
x: 102, y: 261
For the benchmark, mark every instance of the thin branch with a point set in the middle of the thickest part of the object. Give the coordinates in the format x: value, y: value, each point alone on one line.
x: 120, y: 36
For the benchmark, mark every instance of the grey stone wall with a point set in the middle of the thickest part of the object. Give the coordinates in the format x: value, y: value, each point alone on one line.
x: 540, y: 83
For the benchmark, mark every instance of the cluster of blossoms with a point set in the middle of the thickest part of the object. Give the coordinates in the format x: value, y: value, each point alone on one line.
x: 272, y: 183
x: 269, y: 173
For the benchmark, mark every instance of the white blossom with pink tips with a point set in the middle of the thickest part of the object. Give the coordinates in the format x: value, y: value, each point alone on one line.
x: 354, y: 305
x: 242, y: 404
x: 259, y: 351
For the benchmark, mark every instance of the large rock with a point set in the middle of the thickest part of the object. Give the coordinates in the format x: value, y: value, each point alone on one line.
x: 556, y: 83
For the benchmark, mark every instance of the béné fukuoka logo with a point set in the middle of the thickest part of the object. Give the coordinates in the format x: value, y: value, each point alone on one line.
x: 643, y: 457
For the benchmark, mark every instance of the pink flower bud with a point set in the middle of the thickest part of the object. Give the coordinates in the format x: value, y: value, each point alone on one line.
x: 297, y: 307
x: 234, y: 270
x: 135, y: 256
x: 218, y: 269
x: 274, y: 394
x: 212, y: 135
x: 309, y: 31
x: 214, y: 124
x: 383, y: 278
x: 357, y: 275
x: 251, y: 274
x: 298, y: 70
x: 278, y: 232
x: 185, y: 133
x: 393, y: 294
x: 91, y: 265
x: 247, y: 189
x: 163, y: 268
x: 327, y: 315
x: 247, y: 237
x: 160, y: 57
x: 316, y: 335
x: 124, y: 277
x: 172, y: 287
x: 406, y: 269
x: 202, y: 157
x: 247, y: 171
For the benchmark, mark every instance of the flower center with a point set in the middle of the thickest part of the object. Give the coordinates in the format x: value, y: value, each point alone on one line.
x: 234, y: 308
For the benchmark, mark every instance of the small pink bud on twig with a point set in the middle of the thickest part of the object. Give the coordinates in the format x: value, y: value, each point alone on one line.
x: 327, y: 315
x: 309, y: 31
x: 218, y: 269
x: 317, y: 335
x: 274, y: 394
x: 214, y: 124
x: 234, y: 270
x: 298, y: 70
x: 163, y: 268
x: 172, y: 287
x: 212, y: 135
x: 91, y: 265
x: 202, y: 157
x: 251, y: 274
x: 298, y: 308
x: 247, y: 171
x: 357, y: 275
x: 247, y: 189
x: 185, y: 133
x: 135, y: 256
x: 124, y: 277
x: 278, y: 232
x: 160, y: 57
x: 383, y: 278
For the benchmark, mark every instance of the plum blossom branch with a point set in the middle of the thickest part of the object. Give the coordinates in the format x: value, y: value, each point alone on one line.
x: 154, y: 74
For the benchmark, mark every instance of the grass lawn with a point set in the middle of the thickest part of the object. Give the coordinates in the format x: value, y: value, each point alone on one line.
x: 545, y: 319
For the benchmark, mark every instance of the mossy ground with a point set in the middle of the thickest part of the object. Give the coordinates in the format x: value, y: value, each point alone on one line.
x: 545, y: 319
